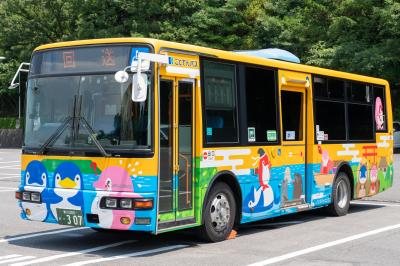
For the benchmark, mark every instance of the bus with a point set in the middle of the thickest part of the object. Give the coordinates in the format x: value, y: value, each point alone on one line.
x: 148, y: 135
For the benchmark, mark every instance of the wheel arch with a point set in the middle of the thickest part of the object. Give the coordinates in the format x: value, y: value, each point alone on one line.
x: 344, y: 167
x: 230, y: 179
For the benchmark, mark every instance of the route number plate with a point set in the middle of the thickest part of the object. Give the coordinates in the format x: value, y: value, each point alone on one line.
x: 70, y: 217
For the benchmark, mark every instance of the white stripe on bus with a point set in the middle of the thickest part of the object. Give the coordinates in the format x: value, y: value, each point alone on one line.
x: 323, y: 246
x: 11, y: 239
x: 73, y: 253
x: 128, y: 255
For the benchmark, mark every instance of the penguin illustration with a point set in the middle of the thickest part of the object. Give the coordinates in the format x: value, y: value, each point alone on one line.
x: 36, y: 178
x: 68, y: 186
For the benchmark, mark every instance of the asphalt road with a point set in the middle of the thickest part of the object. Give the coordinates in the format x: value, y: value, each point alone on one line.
x: 369, y: 235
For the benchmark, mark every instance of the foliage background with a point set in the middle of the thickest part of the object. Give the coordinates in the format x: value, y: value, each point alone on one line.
x: 359, y: 36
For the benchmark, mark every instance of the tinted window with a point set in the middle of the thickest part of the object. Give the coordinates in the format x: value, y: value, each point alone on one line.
x: 329, y: 88
x: 396, y: 126
x: 360, y: 122
x: 220, y: 102
x: 359, y: 92
x: 380, y: 109
x: 336, y: 88
x: 292, y: 114
x: 261, y: 105
x: 330, y: 120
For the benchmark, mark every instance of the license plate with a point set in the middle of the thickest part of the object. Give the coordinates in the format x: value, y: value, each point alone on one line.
x: 70, y: 217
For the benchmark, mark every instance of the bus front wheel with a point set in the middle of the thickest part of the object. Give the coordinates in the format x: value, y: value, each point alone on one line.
x: 219, y: 214
x: 340, y: 196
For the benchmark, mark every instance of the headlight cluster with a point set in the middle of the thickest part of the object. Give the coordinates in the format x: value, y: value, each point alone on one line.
x: 126, y: 203
x: 29, y: 196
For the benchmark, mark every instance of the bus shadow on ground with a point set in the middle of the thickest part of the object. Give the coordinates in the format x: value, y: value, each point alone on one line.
x: 297, y: 218
x: 74, y: 241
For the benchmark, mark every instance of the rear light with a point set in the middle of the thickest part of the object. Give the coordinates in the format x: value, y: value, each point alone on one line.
x: 35, y: 196
x: 26, y: 196
x: 111, y: 203
x: 126, y: 203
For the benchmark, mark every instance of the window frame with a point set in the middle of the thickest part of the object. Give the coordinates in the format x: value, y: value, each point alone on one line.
x: 386, y: 130
x: 346, y: 102
x: 115, y: 153
x: 243, y: 105
x: 203, y: 103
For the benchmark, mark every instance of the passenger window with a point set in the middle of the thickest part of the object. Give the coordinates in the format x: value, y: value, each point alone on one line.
x: 360, y: 122
x: 220, y: 102
x: 261, y: 105
x: 330, y: 120
x: 359, y: 92
x: 292, y: 115
x: 380, y: 109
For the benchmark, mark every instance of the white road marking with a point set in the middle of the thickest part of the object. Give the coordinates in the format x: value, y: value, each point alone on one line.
x: 7, y: 240
x: 75, y: 253
x: 134, y: 254
x: 16, y: 166
x: 14, y: 188
x: 323, y: 246
x: 9, y: 177
x: 376, y: 204
x: 9, y: 256
x: 10, y: 162
x: 17, y: 259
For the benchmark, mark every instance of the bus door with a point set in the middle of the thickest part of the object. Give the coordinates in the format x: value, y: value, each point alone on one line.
x: 176, y: 116
x: 293, y: 98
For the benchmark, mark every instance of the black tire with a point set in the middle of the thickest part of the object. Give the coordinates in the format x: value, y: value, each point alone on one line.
x: 340, y: 198
x: 212, y: 231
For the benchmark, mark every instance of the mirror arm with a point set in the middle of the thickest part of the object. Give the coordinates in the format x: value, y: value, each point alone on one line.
x: 13, y: 85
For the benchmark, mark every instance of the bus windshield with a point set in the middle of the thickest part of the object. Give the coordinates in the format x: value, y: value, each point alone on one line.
x: 117, y: 122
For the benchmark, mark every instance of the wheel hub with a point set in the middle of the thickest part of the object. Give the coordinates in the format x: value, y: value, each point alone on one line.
x: 220, y: 212
x: 342, y: 194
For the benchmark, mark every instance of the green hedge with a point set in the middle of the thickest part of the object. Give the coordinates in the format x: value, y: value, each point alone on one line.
x: 7, y: 122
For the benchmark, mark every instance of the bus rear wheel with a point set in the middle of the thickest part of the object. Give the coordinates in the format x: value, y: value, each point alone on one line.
x: 340, y: 196
x: 219, y: 214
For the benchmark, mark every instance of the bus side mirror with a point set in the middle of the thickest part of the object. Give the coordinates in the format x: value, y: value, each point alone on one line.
x: 139, y: 87
x: 121, y: 76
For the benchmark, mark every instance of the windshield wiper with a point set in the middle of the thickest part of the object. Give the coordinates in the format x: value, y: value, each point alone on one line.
x: 55, y: 135
x: 92, y: 135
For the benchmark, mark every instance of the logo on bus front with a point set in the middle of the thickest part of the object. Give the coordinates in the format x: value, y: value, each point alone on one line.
x: 183, y: 62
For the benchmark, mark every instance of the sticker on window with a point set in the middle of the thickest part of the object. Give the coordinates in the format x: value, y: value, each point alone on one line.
x: 290, y: 135
x: 320, y: 135
x: 251, y: 134
x: 209, y: 131
x: 271, y: 135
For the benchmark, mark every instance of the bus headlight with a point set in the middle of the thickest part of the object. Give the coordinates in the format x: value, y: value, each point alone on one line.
x: 111, y: 203
x: 26, y: 196
x: 125, y: 203
x: 35, y: 196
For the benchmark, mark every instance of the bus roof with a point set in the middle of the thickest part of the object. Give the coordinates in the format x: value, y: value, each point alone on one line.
x: 227, y: 55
